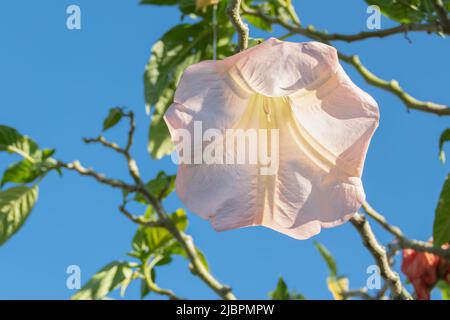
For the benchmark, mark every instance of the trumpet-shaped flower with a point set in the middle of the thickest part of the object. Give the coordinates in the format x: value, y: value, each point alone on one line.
x: 304, y: 121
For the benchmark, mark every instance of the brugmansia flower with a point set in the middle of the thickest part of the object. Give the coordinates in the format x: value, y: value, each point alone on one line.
x: 315, y: 126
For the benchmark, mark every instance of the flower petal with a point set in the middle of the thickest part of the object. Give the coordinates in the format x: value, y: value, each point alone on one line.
x: 324, y: 123
x: 278, y: 68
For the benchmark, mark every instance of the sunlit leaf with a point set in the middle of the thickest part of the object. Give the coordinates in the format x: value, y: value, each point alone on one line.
x: 13, y: 142
x: 103, y: 282
x: 15, y: 206
x: 178, y: 48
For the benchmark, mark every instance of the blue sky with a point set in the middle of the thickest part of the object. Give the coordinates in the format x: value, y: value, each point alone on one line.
x: 57, y: 85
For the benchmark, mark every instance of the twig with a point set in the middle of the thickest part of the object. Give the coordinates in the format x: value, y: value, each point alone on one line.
x: 185, y: 241
x: 404, y: 242
x: 379, y: 253
x: 101, y: 140
x: 311, y: 32
x: 390, y: 86
x: 140, y: 220
x: 77, y: 167
x: 233, y: 11
x: 152, y: 285
x: 394, y: 87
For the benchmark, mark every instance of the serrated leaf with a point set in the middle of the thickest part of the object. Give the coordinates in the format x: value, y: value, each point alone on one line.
x: 103, y: 282
x: 113, y: 118
x: 441, y: 226
x: 16, y: 205
x: 445, y: 136
x: 326, y: 255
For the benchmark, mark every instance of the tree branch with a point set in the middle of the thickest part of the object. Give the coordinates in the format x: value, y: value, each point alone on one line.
x: 380, y: 256
x: 115, y: 183
x: 404, y: 242
x: 394, y: 87
x: 185, y: 241
x: 233, y: 11
x: 390, y: 86
x: 311, y: 32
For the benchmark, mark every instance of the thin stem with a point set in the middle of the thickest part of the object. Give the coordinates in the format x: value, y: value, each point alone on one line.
x: 311, y: 32
x: 147, y: 270
x: 233, y: 11
x: 394, y: 87
x: 164, y: 221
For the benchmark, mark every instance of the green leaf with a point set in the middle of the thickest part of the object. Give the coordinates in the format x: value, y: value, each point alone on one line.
x: 103, y: 282
x: 160, y: 187
x: 15, y: 206
x: 160, y: 143
x: 444, y: 287
x: 23, y: 171
x: 179, y: 219
x: 441, y: 227
x: 157, y: 240
x: 113, y: 118
x: 258, y: 22
x: 407, y: 11
x: 445, y: 136
x: 281, y: 292
x: 13, y: 142
x: 180, y: 47
x: 326, y: 255
x: 26, y: 171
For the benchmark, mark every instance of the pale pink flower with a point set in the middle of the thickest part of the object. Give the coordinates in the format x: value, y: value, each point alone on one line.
x: 324, y: 122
